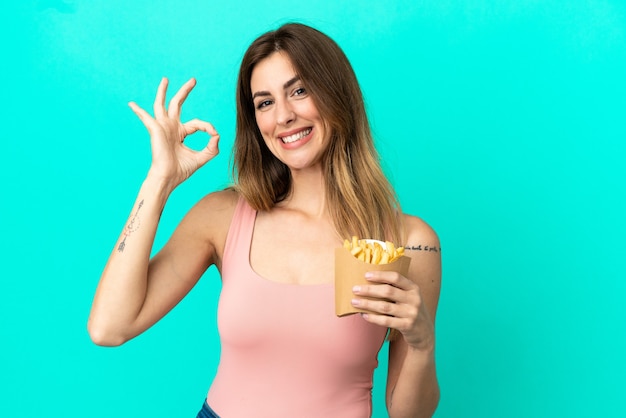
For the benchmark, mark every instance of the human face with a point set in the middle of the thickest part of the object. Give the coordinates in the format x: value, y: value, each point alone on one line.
x: 286, y: 115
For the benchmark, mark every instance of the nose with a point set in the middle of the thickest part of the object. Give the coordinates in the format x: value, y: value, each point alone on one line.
x: 284, y: 113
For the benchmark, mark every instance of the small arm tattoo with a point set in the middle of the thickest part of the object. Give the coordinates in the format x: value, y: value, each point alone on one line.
x: 132, y: 226
x: 425, y: 248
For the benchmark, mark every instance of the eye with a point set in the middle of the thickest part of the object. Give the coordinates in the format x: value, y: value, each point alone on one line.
x: 300, y: 91
x: 263, y: 103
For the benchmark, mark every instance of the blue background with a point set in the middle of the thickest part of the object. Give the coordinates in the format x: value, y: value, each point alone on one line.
x: 501, y: 123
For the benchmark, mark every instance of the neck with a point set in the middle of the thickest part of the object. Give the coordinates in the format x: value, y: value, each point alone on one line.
x: 308, y: 192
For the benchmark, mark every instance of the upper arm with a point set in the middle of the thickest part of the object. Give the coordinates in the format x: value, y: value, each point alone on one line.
x: 423, y: 246
x: 195, y: 245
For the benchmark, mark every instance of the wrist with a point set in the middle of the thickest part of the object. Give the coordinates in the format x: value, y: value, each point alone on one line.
x: 425, y: 347
x: 157, y: 187
x: 158, y: 184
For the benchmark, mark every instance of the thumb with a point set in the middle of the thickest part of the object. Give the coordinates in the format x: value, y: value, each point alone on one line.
x: 210, y: 151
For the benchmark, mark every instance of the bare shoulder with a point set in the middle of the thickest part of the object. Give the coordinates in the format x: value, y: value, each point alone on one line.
x: 218, y: 204
x: 419, y: 235
x: 423, y: 246
x: 214, y: 210
x: 208, y: 221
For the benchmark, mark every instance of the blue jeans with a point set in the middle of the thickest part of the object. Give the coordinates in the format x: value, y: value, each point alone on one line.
x: 207, y: 412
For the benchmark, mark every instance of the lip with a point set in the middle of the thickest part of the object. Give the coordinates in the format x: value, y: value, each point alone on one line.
x: 296, y: 144
x: 293, y: 131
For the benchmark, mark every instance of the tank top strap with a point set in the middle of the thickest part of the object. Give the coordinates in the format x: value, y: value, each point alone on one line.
x: 239, y: 238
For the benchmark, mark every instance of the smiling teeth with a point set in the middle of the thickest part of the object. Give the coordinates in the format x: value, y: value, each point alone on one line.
x: 293, y: 138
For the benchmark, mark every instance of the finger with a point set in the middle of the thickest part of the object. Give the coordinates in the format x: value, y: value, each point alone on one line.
x: 196, y: 125
x: 212, y: 148
x: 210, y: 151
x: 382, y: 320
x: 179, y: 98
x: 144, y: 116
x: 381, y: 291
x: 378, y: 306
x: 390, y: 277
x: 159, y: 100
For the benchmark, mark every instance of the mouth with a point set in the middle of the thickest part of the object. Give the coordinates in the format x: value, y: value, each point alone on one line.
x: 295, y: 137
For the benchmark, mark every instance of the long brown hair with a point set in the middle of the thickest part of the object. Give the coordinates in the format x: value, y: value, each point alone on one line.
x: 361, y: 201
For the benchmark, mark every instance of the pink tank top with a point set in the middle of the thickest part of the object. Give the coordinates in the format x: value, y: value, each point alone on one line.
x: 284, y: 352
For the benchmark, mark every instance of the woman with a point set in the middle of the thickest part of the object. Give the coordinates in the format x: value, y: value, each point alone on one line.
x: 306, y: 176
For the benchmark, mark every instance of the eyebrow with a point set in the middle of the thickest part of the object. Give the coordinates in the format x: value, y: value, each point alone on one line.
x: 288, y: 84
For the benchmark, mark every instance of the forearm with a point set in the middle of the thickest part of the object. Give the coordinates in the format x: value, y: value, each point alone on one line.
x: 123, y: 285
x: 416, y: 393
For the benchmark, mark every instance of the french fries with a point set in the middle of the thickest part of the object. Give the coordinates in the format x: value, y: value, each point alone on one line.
x: 373, y: 251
